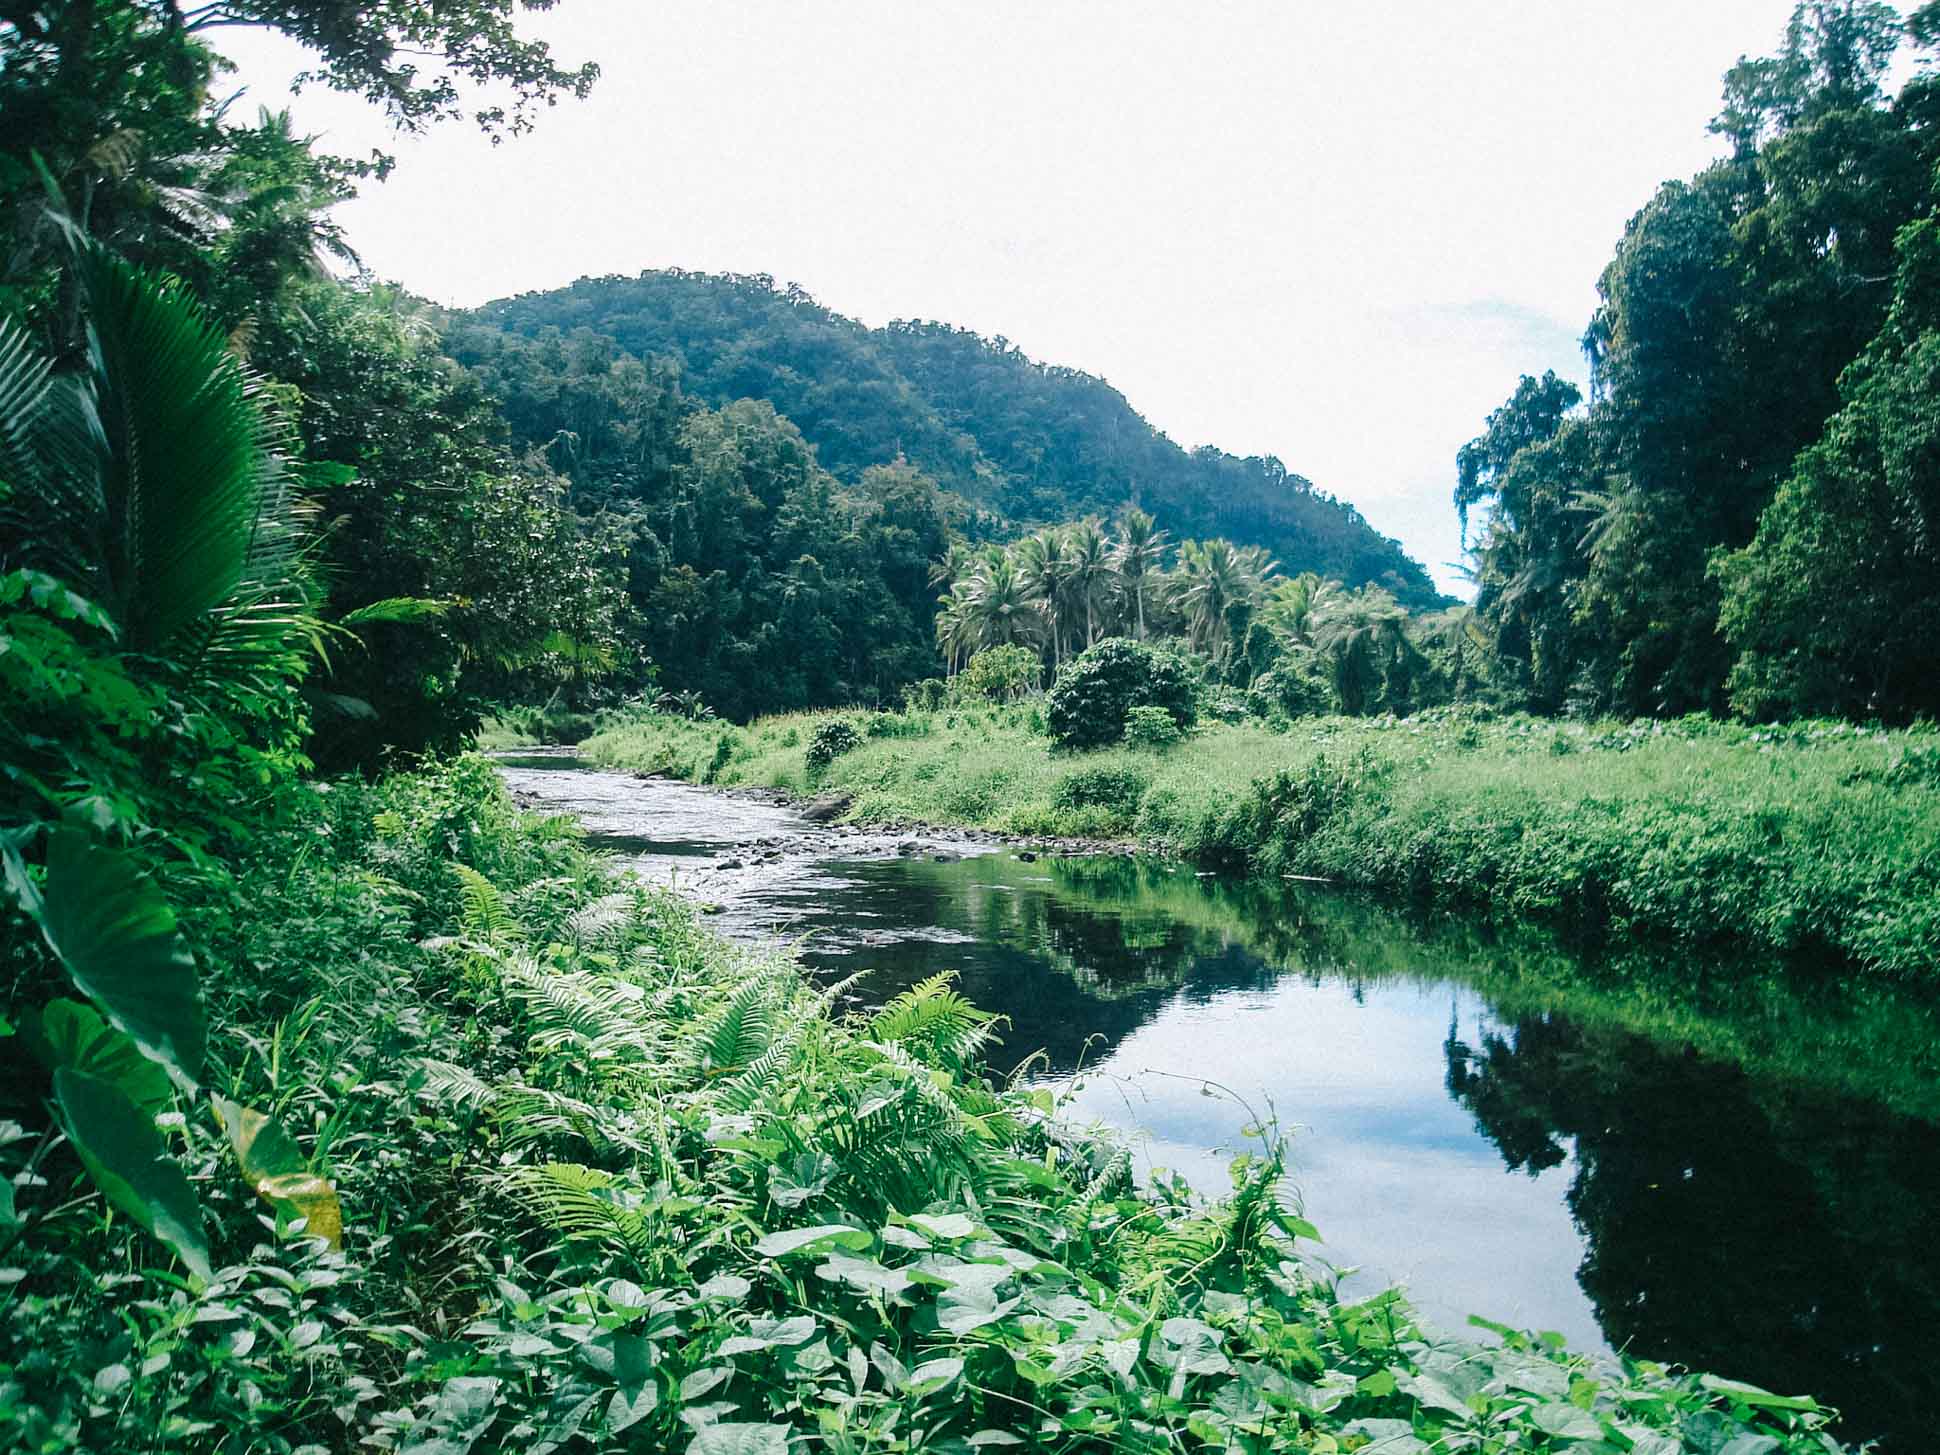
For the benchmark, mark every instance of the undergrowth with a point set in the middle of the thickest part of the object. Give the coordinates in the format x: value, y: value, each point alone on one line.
x: 610, y: 1184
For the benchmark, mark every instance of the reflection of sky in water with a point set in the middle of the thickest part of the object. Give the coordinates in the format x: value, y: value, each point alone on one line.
x: 1389, y: 1168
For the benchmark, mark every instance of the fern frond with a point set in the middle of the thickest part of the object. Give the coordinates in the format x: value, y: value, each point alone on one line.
x: 584, y: 1204
x: 456, y: 1085
x: 484, y: 915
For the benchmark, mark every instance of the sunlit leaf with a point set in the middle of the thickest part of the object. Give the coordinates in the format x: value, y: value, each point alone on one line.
x: 273, y: 1166
x: 68, y: 1033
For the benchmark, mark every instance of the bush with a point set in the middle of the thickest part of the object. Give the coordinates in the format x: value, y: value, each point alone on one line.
x: 832, y: 739
x: 1151, y: 727
x: 1001, y: 674
x: 1118, y: 789
x: 1290, y: 691
x: 1099, y: 686
x: 927, y: 695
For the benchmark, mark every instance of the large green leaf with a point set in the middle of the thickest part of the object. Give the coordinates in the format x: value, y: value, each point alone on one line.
x: 66, y: 1033
x: 125, y: 1155
x: 116, y: 934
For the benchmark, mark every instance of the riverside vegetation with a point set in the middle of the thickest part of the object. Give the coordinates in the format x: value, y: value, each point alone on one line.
x: 1815, y: 837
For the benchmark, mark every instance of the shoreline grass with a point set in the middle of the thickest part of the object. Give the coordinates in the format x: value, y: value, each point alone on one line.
x: 1816, y: 839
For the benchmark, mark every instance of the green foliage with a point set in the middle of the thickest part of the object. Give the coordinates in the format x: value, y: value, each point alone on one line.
x: 1736, y: 510
x: 832, y: 739
x: 1088, y: 702
x: 1151, y: 727
x: 1117, y: 789
x: 1000, y: 674
x: 1014, y: 437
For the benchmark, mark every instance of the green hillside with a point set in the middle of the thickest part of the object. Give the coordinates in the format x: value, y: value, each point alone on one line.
x: 1027, y: 441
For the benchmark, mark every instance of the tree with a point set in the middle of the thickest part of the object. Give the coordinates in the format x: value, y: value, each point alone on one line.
x: 1092, y: 580
x: 1213, y: 577
x: 1139, y: 558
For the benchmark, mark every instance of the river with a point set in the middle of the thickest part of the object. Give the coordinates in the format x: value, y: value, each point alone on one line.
x: 1705, y: 1164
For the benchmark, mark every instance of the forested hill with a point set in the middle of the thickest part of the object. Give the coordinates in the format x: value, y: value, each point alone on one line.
x: 1029, y: 441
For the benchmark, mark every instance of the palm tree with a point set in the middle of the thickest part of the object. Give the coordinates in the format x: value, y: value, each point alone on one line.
x: 989, y: 607
x: 1090, y: 577
x: 1292, y: 605
x: 1364, y: 634
x: 1214, y: 576
x: 1044, y: 570
x: 1139, y: 557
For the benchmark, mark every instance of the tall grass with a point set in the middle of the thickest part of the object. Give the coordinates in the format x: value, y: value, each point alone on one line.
x: 1818, y: 838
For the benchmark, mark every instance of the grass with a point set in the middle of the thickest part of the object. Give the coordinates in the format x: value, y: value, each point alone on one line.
x: 611, y: 1184
x: 1819, y: 839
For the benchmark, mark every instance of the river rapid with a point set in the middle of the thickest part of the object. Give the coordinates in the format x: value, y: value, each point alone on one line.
x: 1644, y: 1155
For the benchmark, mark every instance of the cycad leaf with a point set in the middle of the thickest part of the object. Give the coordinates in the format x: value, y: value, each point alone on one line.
x: 115, y: 933
x: 124, y: 1154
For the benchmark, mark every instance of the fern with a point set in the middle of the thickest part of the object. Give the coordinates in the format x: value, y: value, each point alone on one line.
x: 483, y: 915
x: 933, y: 1023
x: 584, y: 1204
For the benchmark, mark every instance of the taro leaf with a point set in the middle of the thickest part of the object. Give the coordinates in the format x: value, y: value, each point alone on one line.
x: 1386, y: 1437
x: 115, y: 933
x: 272, y: 1165
x: 68, y: 1033
x: 630, y: 1405
x: 807, y: 1176
x: 125, y: 1155
x: 740, y: 1439
x: 1566, y: 1422
x: 464, y: 1411
x: 944, y: 1225
x: 811, y: 1240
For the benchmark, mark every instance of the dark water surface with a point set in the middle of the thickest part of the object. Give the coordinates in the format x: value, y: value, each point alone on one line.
x: 1714, y: 1167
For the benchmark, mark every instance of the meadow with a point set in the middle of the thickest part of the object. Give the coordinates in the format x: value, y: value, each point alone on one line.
x: 1819, y: 839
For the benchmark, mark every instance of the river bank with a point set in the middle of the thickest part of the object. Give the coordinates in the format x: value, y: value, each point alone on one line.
x: 1817, y: 840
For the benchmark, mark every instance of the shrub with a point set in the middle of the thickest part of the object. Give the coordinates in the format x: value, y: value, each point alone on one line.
x: 832, y: 739
x: 1290, y: 690
x: 1118, y: 789
x: 1001, y: 674
x: 927, y: 695
x: 1151, y: 727
x: 1225, y: 704
x: 1096, y: 689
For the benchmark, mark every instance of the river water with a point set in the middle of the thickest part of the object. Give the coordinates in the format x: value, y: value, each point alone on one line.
x: 1689, y: 1162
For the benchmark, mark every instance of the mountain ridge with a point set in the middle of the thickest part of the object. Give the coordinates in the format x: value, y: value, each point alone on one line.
x: 1031, y: 442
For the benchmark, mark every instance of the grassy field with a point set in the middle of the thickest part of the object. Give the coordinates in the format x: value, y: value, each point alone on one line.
x: 1818, y: 838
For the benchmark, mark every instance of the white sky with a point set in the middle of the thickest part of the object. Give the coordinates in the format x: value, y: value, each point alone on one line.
x: 1336, y: 233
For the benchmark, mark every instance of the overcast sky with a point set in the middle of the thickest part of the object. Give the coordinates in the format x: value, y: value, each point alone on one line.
x: 1335, y: 233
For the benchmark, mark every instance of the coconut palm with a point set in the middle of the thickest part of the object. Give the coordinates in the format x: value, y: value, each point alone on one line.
x: 1044, y: 571
x: 1090, y: 578
x: 1215, y: 576
x: 996, y: 609
x: 1292, y: 605
x: 1139, y: 558
x: 1364, y: 635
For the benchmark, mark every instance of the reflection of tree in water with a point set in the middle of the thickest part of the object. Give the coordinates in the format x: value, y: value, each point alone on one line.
x: 1787, y: 1239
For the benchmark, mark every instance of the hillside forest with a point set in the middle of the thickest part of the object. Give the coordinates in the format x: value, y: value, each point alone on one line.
x: 343, y: 1106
